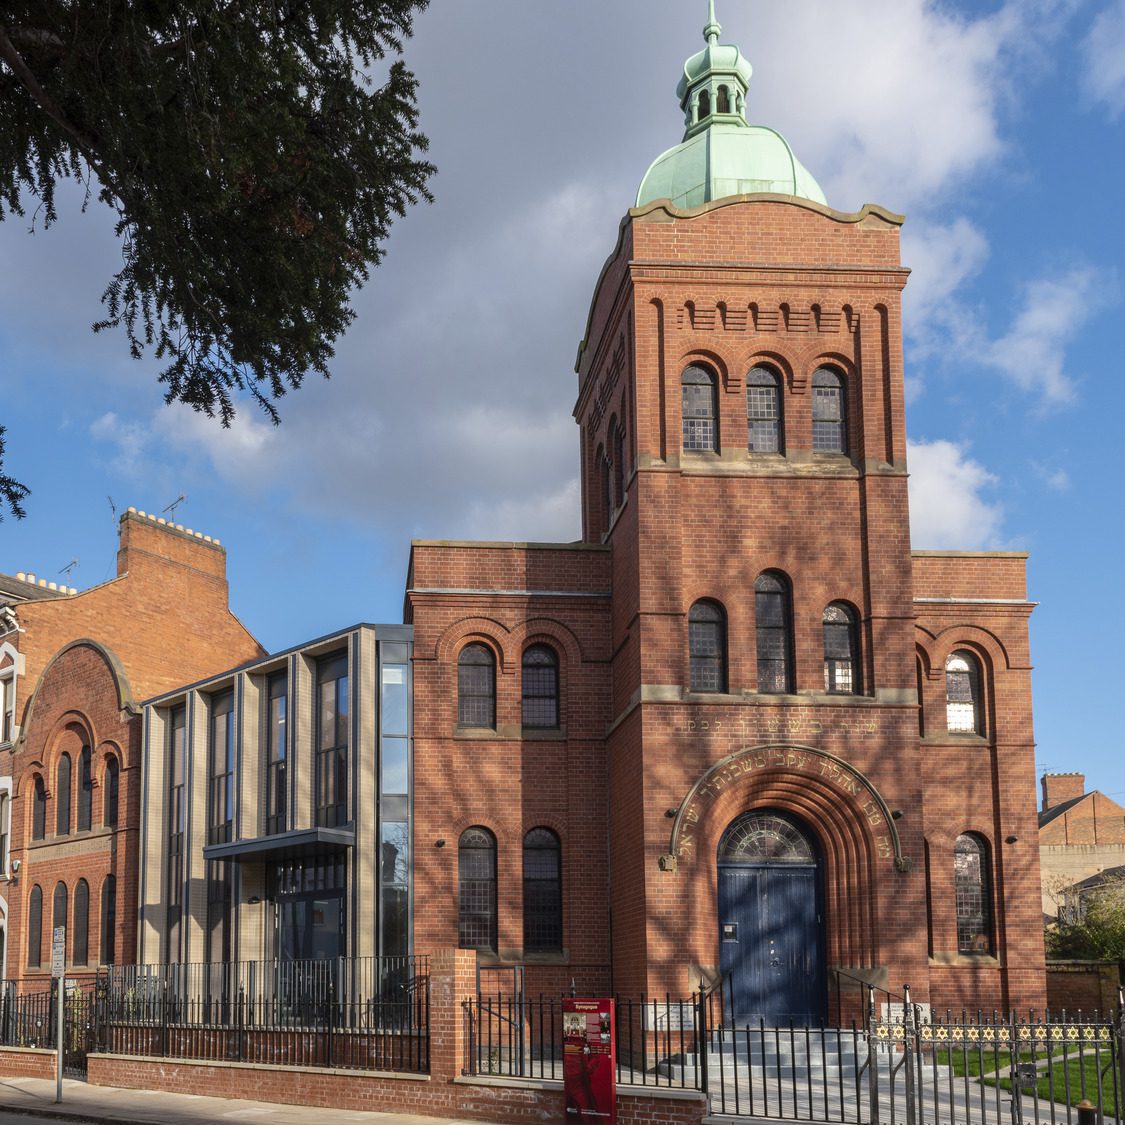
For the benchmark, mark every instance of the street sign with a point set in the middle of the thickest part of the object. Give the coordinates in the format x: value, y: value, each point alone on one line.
x: 58, y: 952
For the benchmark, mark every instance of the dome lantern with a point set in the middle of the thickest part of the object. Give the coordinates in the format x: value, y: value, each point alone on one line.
x: 722, y: 154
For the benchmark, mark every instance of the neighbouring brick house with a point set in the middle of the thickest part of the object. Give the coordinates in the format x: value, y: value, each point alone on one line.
x: 1081, y: 837
x: 77, y: 662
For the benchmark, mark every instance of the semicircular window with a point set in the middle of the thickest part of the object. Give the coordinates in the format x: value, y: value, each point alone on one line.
x: 765, y: 838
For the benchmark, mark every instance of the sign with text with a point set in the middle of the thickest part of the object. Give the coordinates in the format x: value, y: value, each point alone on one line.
x: 590, y: 1061
x: 58, y: 951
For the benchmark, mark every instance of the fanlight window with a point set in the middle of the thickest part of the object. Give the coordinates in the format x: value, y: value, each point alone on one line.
x: 763, y: 837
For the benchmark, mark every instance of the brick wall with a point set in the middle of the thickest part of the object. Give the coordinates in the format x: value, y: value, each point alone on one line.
x: 443, y: 1092
x: 27, y: 1062
x: 731, y: 285
x: 88, y: 659
x: 1084, y: 986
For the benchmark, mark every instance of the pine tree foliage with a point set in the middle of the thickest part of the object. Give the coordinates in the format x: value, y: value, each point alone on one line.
x: 255, y: 153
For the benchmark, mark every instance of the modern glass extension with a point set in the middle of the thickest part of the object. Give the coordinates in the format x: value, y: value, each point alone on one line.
x: 279, y: 796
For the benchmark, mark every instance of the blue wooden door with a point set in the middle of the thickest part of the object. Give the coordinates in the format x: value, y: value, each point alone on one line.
x: 771, y: 942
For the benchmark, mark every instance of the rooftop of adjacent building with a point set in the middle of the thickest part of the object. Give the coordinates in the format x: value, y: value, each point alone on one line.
x: 1064, y: 792
x: 26, y: 586
x: 721, y: 153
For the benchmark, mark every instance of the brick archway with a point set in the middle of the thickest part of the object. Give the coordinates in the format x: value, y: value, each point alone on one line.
x: 855, y: 832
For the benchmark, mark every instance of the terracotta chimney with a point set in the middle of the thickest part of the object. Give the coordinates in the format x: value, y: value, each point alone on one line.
x: 1060, y: 787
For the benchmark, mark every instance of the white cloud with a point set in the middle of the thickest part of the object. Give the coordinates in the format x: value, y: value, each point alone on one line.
x: 942, y: 257
x: 949, y: 508
x: 1057, y: 480
x: 1103, y: 50
x: 1032, y: 353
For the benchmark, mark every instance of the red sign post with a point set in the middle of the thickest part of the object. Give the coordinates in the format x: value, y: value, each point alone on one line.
x: 590, y: 1061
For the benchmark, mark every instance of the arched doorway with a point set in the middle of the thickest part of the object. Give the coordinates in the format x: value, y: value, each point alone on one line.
x: 771, y: 919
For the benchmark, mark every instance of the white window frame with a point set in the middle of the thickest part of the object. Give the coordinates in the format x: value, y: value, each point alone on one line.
x: 11, y: 665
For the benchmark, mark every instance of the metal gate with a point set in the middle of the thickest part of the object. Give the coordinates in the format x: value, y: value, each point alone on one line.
x: 83, y: 1023
x: 907, y: 1066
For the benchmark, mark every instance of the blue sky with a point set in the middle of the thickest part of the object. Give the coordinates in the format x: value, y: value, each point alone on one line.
x: 996, y: 127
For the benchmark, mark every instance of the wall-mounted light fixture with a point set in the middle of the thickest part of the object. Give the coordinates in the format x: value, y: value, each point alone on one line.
x: 1011, y: 839
x: 896, y: 814
x: 439, y: 843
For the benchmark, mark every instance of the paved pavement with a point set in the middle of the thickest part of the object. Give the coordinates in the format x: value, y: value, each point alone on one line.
x: 84, y: 1104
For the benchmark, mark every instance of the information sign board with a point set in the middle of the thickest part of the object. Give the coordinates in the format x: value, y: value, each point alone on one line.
x: 58, y: 951
x: 590, y: 1061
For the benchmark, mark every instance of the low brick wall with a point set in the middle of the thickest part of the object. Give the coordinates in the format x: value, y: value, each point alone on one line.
x: 483, y: 1100
x: 1086, y: 986
x: 27, y: 1062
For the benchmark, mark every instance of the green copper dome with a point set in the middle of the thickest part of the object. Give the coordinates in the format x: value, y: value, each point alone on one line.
x: 722, y: 153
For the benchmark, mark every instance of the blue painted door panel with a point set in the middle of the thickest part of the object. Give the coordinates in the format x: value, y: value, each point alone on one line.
x: 771, y: 943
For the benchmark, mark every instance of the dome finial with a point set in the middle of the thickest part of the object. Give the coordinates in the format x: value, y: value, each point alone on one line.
x: 713, y: 29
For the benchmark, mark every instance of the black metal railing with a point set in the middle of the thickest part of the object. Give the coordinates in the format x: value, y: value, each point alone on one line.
x: 521, y: 1037
x: 351, y: 1013
x: 26, y: 1014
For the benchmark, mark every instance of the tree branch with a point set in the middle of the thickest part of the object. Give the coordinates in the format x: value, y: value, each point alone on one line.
x: 22, y: 71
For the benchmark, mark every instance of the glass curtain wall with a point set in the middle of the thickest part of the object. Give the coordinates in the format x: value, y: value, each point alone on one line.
x: 394, y: 798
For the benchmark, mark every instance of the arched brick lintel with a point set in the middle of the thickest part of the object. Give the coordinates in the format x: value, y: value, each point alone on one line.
x: 815, y: 769
x: 851, y: 821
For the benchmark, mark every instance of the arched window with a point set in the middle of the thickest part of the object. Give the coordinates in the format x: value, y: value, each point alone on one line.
x: 606, y: 487
x: 476, y: 874
x: 763, y: 411
x: 722, y: 102
x: 85, y: 789
x: 109, y: 920
x: 775, y: 634
x: 962, y: 694
x: 58, y: 912
x: 39, y: 810
x: 698, y: 392
x: 707, y: 647
x: 618, y: 432
x: 974, y: 894
x: 540, y: 688
x: 704, y: 104
x: 476, y: 687
x: 35, y: 928
x: 62, y: 796
x: 921, y: 702
x: 830, y: 423
x: 80, y: 947
x: 841, y: 651
x: 542, y: 891
x: 112, y: 789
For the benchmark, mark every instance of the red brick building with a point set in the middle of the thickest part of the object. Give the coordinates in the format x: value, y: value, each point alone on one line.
x: 1081, y: 840
x: 741, y: 731
x: 75, y: 664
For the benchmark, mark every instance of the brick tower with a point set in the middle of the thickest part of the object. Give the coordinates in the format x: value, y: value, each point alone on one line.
x: 744, y: 454
x: 741, y: 733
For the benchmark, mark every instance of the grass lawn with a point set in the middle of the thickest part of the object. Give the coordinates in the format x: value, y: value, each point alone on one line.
x: 975, y: 1061
x: 1065, y: 1082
